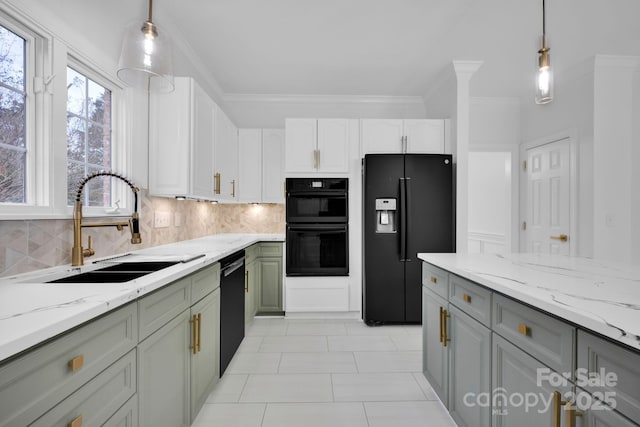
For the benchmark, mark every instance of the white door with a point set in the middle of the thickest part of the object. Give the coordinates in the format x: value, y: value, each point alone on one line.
x: 301, y: 143
x: 549, y: 198
x: 273, y: 165
x: 250, y: 165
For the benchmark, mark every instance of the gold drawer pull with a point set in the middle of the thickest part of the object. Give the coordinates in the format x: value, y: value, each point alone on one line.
x: 524, y: 329
x: 433, y: 279
x: 466, y: 298
x: 562, y: 237
x: 194, y: 334
x: 445, y: 338
x: 441, y: 323
x: 76, y: 422
x: 76, y: 363
x: 199, y: 319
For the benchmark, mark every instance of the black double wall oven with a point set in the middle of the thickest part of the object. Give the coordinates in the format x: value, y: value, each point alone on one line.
x: 317, y: 216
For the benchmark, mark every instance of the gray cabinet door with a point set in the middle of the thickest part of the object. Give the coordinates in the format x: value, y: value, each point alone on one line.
x: 469, y: 373
x: 523, y: 396
x: 251, y: 286
x: 270, y: 289
x: 434, y: 353
x: 205, y: 363
x: 163, y: 380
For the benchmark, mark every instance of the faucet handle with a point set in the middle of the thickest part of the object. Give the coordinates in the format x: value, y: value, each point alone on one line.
x: 89, y: 250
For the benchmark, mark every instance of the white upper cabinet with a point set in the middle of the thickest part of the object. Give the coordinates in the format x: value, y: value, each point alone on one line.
x: 225, y: 158
x: 181, y: 142
x: 273, y: 165
x: 250, y: 165
x: 261, y: 165
x: 403, y: 136
x: 317, y: 145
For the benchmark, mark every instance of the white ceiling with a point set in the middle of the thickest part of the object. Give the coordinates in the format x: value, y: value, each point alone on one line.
x: 369, y: 47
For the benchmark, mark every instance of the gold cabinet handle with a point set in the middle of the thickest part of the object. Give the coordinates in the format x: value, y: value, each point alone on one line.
x: 524, y: 329
x: 315, y: 159
x: 557, y: 403
x: 199, y: 321
x: 76, y: 422
x: 445, y: 339
x: 562, y: 237
x: 216, y: 183
x: 233, y: 188
x: 466, y: 298
x: 318, y: 158
x: 434, y: 279
x: 76, y: 363
x: 571, y: 414
x: 441, y: 313
x: 194, y: 334
x: 246, y: 281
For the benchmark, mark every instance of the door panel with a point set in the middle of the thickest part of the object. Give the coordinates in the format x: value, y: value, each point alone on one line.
x: 548, y: 199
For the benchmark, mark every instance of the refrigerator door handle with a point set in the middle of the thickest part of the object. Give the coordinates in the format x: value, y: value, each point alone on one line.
x: 403, y: 219
x: 407, y: 217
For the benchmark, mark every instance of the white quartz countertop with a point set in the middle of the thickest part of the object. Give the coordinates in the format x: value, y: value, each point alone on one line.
x: 603, y: 297
x: 32, y: 311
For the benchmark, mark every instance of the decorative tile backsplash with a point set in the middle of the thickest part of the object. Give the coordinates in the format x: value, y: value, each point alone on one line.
x: 34, y: 244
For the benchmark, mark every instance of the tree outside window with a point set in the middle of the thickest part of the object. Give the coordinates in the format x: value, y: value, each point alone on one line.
x: 13, y: 134
x: 88, y: 138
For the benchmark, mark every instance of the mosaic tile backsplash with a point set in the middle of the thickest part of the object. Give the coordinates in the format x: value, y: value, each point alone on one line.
x: 30, y: 245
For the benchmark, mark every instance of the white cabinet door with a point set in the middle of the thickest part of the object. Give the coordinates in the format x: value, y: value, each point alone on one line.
x: 382, y: 136
x: 424, y: 136
x: 333, y: 145
x: 250, y: 165
x: 301, y: 137
x: 272, y: 166
x: 202, y: 158
x: 226, y: 156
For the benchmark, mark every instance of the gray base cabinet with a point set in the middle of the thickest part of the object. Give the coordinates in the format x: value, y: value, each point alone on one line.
x: 270, y: 295
x: 163, y: 363
x: 435, y: 364
x: 263, y: 279
x: 251, y: 284
x: 469, y: 378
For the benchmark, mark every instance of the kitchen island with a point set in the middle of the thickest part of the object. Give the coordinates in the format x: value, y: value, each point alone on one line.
x: 530, y: 339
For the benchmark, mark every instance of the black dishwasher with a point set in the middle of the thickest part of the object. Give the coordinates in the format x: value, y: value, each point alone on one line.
x: 231, y: 306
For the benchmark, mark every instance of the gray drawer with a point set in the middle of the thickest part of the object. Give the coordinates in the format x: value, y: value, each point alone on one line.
x: 595, y: 353
x: 549, y: 340
x: 163, y: 305
x: 34, y: 383
x: 204, y: 281
x: 435, y: 279
x: 471, y: 298
x: 95, y: 402
x: 126, y: 416
x: 269, y: 249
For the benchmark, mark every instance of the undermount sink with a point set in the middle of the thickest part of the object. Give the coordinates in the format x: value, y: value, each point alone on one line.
x: 116, y: 273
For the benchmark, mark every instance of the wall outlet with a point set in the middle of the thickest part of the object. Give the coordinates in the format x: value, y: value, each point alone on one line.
x: 177, y: 219
x: 161, y: 219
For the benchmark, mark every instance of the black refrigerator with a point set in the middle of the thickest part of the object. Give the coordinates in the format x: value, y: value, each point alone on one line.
x: 408, y: 209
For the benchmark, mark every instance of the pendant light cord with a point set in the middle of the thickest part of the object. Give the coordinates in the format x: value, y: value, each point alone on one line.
x: 151, y: 10
x: 544, y: 26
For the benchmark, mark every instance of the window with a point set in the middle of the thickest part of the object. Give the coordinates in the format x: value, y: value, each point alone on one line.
x: 13, y: 129
x: 89, y: 150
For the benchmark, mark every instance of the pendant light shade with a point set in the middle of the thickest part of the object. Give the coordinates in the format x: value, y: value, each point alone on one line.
x: 146, y: 58
x: 544, y: 76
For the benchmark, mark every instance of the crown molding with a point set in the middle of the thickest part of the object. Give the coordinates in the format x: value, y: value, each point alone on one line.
x: 321, y: 99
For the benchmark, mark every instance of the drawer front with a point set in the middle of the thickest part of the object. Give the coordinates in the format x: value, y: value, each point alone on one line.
x: 126, y: 416
x: 98, y: 400
x: 271, y: 249
x: 435, y: 279
x: 163, y: 305
x: 471, y: 298
x: 622, y: 365
x: 549, y: 340
x: 36, y: 382
x: 204, y: 281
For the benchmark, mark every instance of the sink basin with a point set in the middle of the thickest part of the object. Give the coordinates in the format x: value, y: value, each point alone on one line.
x: 116, y: 273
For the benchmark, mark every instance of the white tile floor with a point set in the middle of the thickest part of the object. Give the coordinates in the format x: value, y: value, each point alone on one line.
x: 325, y: 373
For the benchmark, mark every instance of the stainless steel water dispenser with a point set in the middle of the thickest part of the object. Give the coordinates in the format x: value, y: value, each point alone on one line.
x: 386, y: 216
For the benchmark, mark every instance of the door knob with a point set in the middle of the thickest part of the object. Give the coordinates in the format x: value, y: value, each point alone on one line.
x: 562, y: 237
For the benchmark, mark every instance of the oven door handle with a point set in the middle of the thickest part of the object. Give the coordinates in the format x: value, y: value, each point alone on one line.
x: 317, y: 194
x: 322, y: 228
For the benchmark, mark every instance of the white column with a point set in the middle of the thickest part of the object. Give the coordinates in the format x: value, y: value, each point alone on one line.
x: 613, y: 157
x: 464, y: 71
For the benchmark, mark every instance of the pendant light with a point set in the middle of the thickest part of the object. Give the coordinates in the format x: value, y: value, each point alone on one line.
x: 544, y: 76
x: 146, y: 61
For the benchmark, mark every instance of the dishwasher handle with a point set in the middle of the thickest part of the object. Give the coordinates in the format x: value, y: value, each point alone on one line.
x: 230, y: 268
